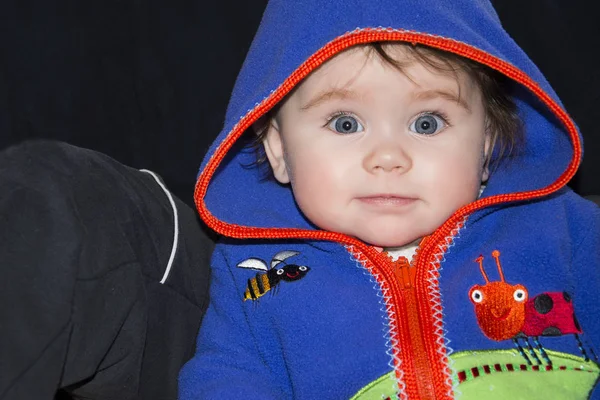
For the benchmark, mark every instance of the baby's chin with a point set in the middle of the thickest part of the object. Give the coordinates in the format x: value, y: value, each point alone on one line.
x: 389, y: 242
x: 389, y: 235
x: 384, y: 237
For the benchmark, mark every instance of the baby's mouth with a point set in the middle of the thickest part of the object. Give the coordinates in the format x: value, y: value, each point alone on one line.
x: 387, y: 200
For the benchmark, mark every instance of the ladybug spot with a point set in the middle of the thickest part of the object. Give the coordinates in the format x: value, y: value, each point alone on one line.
x: 551, y: 331
x: 567, y: 297
x: 543, y: 303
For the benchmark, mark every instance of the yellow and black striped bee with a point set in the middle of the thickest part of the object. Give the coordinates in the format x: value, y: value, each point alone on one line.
x: 264, y: 282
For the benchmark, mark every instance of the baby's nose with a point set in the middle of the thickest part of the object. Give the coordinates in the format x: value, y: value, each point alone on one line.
x: 387, y: 157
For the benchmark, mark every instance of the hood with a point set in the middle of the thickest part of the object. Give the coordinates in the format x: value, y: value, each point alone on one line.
x: 295, y: 37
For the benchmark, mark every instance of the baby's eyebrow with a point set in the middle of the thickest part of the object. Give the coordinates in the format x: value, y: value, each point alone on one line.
x: 335, y: 93
x: 448, y: 95
x: 343, y: 94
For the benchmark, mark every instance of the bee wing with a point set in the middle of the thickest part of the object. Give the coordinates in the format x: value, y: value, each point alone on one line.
x: 281, y: 256
x: 254, y: 263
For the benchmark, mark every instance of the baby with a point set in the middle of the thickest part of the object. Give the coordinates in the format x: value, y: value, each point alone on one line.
x: 418, y: 199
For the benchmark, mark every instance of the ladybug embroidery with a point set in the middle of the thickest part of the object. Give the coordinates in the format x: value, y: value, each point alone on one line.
x: 506, y: 311
x: 259, y: 285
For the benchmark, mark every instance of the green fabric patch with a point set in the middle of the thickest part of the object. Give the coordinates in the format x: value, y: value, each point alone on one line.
x: 504, y: 374
x: 382, y: 388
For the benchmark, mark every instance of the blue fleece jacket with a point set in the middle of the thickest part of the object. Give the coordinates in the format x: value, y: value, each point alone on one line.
x: 503, y: 302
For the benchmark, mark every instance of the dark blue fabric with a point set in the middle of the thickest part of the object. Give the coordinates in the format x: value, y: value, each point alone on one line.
x: 253, y: 350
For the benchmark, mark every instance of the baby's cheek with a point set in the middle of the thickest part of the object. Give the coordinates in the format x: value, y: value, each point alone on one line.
x: 462, y: 183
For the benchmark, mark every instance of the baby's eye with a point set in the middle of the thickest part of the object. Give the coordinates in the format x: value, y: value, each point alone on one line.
x: 427, y: 124
x: 345, y: 124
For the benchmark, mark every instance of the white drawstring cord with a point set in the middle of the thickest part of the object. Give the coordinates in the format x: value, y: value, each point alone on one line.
x: 175, y: 223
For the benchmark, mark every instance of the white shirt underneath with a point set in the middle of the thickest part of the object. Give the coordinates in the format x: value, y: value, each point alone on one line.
x: 408, y: 250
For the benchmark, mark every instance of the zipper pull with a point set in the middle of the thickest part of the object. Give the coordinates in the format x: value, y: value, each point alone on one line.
x: 405, y: 274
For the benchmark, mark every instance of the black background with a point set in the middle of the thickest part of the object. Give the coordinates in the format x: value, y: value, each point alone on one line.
x: 147, y: 82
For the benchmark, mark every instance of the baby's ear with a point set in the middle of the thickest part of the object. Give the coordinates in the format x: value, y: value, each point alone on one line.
x: 488, y: 147
x: 273, y: 144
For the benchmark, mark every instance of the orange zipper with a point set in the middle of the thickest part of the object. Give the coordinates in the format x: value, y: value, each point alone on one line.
x: 422, y: 368
x: 410, y: 318
x: 404, y: 272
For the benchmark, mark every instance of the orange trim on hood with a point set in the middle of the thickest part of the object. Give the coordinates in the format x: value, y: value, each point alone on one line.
x: 334, y: 47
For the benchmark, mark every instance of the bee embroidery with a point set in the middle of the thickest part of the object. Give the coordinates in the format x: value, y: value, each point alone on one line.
x: 505, y: 311
x: 259, y: 285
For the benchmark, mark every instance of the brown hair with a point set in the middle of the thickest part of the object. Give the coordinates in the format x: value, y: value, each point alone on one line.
x: 502, y: 121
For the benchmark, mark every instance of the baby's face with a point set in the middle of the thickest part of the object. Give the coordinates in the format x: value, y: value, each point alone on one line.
x: 377, y: 154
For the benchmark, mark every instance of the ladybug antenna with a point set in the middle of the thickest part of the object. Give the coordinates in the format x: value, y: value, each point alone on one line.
x: 496, y: 255
x: 480, y: 261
